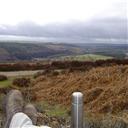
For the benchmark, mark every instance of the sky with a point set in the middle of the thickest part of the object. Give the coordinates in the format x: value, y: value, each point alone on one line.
x: 48, y: 11
x: 61, y: 18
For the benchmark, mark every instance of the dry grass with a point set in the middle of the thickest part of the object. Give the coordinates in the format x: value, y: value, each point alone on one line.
x: 105, y: 89
x: 105, y: 92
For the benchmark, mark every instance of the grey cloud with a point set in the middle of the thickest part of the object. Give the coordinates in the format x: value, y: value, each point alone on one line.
x: 96, y: 28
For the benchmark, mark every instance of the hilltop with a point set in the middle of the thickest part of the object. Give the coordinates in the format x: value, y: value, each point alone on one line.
x: 105, y: 89
x: 103, y: 83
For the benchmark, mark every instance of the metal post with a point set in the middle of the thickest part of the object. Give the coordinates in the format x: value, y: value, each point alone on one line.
x: 77, y: 110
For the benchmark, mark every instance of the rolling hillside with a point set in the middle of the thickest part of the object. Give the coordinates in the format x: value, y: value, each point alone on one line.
x: 13, y: 51
x: 27, y: 51
x: 105, y: 92
x: 105, y: 88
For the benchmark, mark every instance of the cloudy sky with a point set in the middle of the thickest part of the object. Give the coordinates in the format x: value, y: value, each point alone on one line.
x: 83, y: 19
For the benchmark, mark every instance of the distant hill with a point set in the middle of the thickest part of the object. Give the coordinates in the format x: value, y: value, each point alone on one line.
x: 13, y: 51
x: 28, y: 51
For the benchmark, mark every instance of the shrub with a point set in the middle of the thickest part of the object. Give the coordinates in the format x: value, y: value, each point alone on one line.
x: 47, y: 71
x: 107, y: 121
x: 3, y: 77
x: 22, y: 82
x: 55, y: 73
x: 38, y: 74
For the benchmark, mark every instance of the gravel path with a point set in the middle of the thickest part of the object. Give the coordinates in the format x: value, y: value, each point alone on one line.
x: 19, y: 73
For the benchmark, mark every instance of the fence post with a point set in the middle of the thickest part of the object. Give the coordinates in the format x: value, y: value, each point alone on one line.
x: 77, y: 110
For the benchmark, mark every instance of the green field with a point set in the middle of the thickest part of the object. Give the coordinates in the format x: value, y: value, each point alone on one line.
x: 13, y: 75
x: 86, y: 57
x: 6, y: 83
x: 52, y: 110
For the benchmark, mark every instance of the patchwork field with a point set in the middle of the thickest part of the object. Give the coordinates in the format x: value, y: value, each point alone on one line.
x: 85, y: 57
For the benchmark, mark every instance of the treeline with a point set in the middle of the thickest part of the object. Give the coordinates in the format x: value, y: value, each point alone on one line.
x: 61, y: 65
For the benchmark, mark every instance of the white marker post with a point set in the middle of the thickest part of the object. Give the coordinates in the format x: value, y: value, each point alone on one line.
x: 77, y: 110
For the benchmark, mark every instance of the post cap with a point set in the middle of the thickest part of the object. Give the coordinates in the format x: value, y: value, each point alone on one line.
x: 77, y: 98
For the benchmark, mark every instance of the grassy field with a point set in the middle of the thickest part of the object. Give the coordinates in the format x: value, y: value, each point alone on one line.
x: 52, y: 110
x: 12, y: 75
x: 86, y: 57
x: 52, y: 113
x: 6, y: 83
